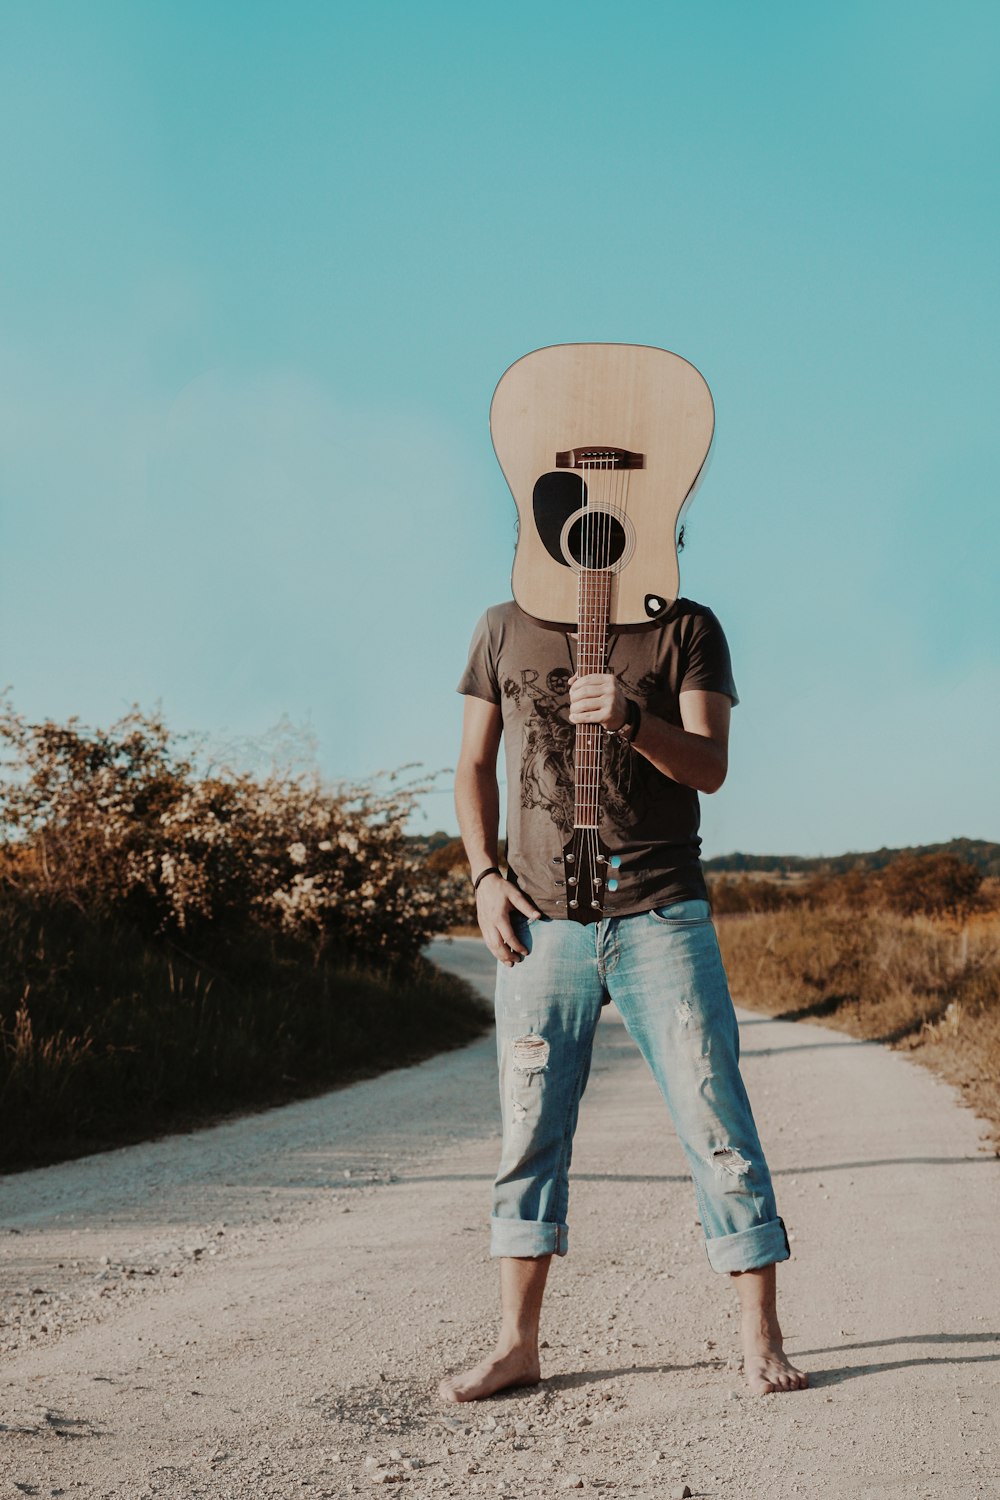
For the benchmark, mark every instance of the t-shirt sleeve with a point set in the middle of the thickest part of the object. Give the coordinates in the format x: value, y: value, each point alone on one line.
x: 479, y: 680
x: 708, y: 667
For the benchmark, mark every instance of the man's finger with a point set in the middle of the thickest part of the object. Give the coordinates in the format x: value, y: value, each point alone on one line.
x: 592, y: 700
x: 506, y: 932
x: 496, y: 947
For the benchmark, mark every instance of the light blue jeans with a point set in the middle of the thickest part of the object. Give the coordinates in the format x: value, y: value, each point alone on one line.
x: 664, y: 972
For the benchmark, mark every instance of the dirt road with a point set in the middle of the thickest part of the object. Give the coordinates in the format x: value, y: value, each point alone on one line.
x: 263, y: 1309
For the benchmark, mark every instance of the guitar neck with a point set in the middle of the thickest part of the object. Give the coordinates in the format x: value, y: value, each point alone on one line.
x: 594, y: 601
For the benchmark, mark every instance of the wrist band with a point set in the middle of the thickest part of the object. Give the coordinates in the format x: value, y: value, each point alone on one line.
x: 493, y: 870
x: 633, y: 718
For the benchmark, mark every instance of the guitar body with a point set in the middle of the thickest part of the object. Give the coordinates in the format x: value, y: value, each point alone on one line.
x: 601, y: 445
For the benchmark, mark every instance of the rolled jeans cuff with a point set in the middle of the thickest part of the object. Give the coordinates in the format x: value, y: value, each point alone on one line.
x: 527, y: 1238
x: 750, y: 1248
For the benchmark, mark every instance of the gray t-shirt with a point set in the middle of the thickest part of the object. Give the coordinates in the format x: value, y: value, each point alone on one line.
x: 647, y: 818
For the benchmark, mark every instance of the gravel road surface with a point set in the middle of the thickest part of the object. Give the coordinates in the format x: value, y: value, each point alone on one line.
x: 264, y: 1308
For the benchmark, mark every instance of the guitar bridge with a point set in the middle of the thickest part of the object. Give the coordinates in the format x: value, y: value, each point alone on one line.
x: 593, y: 455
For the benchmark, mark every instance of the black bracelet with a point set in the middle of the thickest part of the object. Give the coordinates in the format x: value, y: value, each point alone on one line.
x: 493, y: 870
x: 633, y: 717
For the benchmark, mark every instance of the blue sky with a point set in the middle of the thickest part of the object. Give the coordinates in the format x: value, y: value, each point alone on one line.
x: 262, y: 266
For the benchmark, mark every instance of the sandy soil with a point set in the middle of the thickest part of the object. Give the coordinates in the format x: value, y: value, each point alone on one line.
x: 264, y: 1308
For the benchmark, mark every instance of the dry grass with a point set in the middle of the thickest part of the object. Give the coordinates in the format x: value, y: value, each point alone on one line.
x: 927, y: 985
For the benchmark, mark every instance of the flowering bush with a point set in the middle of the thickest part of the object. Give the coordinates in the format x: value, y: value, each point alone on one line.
x: 121, y: 820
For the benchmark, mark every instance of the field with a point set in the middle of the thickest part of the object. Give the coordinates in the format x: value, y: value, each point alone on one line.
x: 179, y: 939
x: 926, y: 985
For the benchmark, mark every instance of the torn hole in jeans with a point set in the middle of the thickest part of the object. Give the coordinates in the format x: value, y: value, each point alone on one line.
x: 531, y: 1054
x: 728, y: 1159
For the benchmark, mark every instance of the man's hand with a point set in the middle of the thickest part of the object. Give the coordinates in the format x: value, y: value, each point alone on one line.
x: 597, y: 699
x: 496, y: 899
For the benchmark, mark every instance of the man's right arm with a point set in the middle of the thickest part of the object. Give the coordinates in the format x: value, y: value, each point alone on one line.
x: 477, y: 802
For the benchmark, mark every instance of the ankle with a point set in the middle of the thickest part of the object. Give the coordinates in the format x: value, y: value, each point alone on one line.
x: 517, y: 1341
x: 759, y: 1326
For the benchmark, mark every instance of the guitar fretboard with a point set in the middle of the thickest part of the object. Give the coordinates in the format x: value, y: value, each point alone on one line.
x: 594, y: 599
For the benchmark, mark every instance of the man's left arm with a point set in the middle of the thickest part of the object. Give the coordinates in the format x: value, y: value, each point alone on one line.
x: 696, y: 756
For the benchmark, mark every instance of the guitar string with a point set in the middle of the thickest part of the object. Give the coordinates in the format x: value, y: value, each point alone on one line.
x: 607, y: 495
x: 614, y: 498
x: 604, y: 587
x: 593, y: 732
x: 612, y: 482
x: 602, y: 641
x: 589, y: 757
x: 581, y: 666
x: 598, y: 585
x: 586, y: 662
x: 587, y: 733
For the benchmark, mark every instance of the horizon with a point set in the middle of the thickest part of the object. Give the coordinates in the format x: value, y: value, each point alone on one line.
x: 778, y: 855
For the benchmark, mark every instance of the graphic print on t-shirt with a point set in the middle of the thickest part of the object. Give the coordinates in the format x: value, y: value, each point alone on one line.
x: 547, y: 742
x: 647, y: 818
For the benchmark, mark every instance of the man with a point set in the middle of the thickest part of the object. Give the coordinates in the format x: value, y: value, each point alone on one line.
x: 664, y: 703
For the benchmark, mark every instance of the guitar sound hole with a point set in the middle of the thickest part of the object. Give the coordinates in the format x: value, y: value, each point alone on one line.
x: 574, y: 533
x: 596, y: 540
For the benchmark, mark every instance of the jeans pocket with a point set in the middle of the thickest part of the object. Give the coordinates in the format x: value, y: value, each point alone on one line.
x: 519, y: 918
x: 692, y: 913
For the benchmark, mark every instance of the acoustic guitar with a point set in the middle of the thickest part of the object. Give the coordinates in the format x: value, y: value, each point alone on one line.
x: 602, y: 446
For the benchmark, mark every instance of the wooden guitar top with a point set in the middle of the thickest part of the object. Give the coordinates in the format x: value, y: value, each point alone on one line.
x: 601, y: 445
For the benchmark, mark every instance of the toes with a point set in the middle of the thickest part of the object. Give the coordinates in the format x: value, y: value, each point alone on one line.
x: 778, y: 1379
x: 792, y: 1380
x: 452, y: 1391
x: 761, y: 1386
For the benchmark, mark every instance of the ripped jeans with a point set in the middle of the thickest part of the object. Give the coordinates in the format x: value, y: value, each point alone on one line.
x: 664, y: 972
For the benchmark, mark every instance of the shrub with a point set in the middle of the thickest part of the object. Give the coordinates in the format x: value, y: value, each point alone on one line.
x: 745, y: 894
x: 175, y: 941
x: 120, y: 822
x: 107, y: 1036
x: 930, y: 885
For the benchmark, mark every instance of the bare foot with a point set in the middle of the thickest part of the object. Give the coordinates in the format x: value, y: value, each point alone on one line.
x: 766, y: 1366
x: 496, y: 1373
